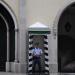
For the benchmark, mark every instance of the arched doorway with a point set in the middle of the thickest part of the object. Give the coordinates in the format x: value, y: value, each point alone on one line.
x: 7, y: 37
x: 66, y: 40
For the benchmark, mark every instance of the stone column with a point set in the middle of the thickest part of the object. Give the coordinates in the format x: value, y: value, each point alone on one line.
x: 8, y: 51
x: 22, y: 34
x: 16, y: 61
x: 7, y: 45
x: 16, y: 45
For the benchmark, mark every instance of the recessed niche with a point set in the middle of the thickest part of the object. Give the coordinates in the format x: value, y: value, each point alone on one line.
x: 67, y: 27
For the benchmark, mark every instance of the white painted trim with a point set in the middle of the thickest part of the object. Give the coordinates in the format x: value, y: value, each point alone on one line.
x: 30, y: 45
x: 46, y: 51
x: 30, y: 51
x: 30, y: 62
x: 30, y: 57
x: 30, y: 40
x: 47, y: 57
x: 47, y: 68
x: 46, y: 62
x: 46, y: 40
x: 45, y: 45
x: 30, y: 68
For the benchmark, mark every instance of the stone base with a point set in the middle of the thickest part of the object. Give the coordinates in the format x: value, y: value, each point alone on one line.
x: 8, y: 69
x: 23, y: 67
x: 53, y: 68
x: 15, y: 67
x: 54, y: 74
x: 18, y: 67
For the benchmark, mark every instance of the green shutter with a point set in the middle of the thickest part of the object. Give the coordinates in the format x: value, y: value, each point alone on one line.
x: 39, y: 32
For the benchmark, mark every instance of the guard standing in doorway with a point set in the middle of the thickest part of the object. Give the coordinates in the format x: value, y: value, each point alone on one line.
x: 36, y: 53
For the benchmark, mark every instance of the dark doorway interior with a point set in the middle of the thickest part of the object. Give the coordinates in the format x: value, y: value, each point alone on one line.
x: 66, y: 40
x: 3, y: 44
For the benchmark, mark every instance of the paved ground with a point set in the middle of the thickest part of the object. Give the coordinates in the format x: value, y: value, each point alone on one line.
x: 4, y: 73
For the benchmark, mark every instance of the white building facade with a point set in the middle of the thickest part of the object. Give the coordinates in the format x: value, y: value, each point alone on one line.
x: 25, y: 13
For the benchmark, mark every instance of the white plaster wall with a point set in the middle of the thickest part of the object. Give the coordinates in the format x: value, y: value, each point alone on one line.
x: 44, y: 11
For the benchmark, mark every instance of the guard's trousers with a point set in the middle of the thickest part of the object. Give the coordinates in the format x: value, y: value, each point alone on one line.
x: 36, y: 61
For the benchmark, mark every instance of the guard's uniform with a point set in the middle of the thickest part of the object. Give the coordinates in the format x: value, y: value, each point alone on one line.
x: 36, y: 52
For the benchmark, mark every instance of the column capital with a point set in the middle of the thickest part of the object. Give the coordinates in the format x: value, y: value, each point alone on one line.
x: 16, y: 30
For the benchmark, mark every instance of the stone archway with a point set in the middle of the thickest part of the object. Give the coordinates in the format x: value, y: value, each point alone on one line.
x: 8, y: 29
x: 55, y: 26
